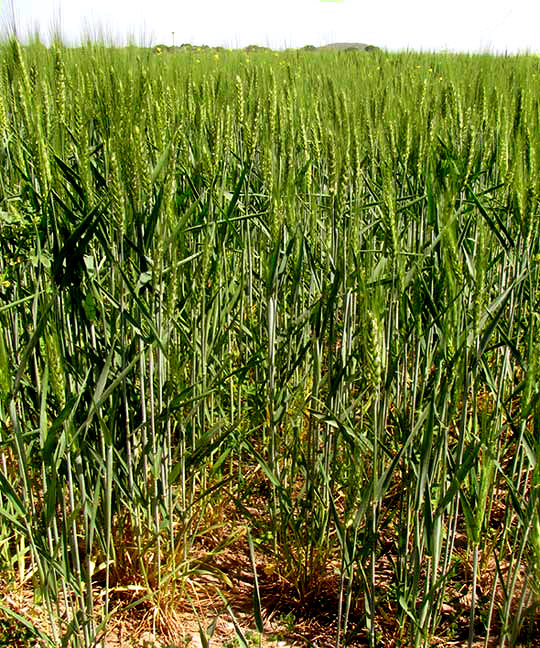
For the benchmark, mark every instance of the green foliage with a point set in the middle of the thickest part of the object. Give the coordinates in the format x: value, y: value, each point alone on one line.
x: 12, y: 635
x: 290, y: 292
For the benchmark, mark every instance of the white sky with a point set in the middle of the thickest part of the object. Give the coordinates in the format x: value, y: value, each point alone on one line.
x: 457, y: 25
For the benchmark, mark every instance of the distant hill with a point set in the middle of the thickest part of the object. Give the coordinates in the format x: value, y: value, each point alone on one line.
x: 350, y: 46
x: 342, y: 47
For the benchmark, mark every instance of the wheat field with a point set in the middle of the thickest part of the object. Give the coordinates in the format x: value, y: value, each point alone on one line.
x: 277, y: 304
